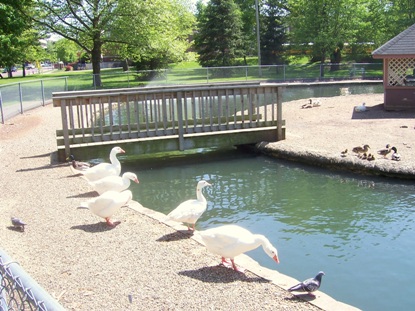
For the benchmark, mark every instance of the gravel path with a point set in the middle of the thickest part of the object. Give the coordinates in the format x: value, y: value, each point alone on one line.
x: 86, y: 266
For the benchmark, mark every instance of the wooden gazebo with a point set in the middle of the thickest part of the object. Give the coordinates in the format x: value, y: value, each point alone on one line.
x: 398, y: 56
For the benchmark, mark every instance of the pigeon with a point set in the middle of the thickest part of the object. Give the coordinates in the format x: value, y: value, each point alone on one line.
x: 18, y: 223
x: 309, y: 285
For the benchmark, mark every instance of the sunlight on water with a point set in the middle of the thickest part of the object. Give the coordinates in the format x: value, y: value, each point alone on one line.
x: 358, y: 230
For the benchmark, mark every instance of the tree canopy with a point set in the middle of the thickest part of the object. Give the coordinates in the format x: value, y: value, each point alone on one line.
x: 134, y: 28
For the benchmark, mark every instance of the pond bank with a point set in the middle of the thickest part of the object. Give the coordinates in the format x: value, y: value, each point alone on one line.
x: 318, y: 135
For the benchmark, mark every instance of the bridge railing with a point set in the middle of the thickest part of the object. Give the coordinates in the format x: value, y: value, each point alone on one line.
x: 96, y: 117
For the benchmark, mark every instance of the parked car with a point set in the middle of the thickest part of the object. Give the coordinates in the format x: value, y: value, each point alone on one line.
x: 14, y: 69
x: 30, y: 66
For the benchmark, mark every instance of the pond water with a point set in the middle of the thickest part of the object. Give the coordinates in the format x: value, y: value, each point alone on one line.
x: 358, y: 230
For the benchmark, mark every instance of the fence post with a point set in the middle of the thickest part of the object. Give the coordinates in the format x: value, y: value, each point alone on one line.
x: 43, y: 92
x: 21, y: 98
x: 1, y: 108
x: 66, y: 83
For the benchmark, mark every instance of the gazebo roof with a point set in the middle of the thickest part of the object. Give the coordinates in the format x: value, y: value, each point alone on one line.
x: 403, y: 45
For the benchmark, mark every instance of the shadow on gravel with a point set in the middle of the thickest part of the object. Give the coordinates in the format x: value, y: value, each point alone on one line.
x: 176, y: 236
x: 300, y: 297
x: 90, y: 194
x: 93, y: 228
x: 220, y: 274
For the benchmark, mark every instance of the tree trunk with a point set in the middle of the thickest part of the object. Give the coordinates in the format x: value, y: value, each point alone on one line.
x: 96, y: 62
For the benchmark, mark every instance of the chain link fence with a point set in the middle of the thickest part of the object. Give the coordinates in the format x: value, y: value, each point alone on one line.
x: 16, y: 98
x: 18, y: 291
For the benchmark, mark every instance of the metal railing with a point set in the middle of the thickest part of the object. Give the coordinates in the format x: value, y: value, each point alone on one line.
x: 16, y: 98
x: 18, y: 291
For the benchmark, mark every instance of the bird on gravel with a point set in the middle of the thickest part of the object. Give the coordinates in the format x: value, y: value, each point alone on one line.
x: 18, y: 223
x: 385, y: 151
x: 360, y: 149
x: 310, y: 285
x: 395, y: 155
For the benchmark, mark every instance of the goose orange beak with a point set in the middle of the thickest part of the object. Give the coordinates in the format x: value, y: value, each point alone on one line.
x: 276, y: 259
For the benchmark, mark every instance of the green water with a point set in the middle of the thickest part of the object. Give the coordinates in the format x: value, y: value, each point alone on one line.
x: 358, y: 230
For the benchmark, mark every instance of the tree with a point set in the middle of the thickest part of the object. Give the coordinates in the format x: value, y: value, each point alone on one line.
x: 218, y: 40
x: 272, y: 32
x: 325, y: 24
x: 131, y: 26
x: 16, y: 36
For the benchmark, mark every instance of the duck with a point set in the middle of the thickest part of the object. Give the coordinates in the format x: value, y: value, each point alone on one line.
x: 343, y: 153
x: 107, y: 204
x: 371, y: 157
x: 229, y: 241
x: 77, y: 166
x: 395, y: 155
x: 189, y: 211
x: 360, y: 149
x: 105, y: 169
x: 361, y: 108
x: 385, y: 151
x: 115, y: 183
x: 310, y: 285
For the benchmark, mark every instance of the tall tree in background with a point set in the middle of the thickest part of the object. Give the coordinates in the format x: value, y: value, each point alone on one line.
x: 272, y: 32
x: 326, y: 24
x: 218, y: 40
x: 132, y: 26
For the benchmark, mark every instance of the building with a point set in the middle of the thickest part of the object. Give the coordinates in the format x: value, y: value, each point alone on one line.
x: 398, y: 56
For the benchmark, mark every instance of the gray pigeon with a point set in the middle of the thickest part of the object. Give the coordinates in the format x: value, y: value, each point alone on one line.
x: 309, y: 285
x: 18, y: 223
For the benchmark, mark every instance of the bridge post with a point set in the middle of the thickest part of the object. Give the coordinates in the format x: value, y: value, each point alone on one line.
x: 65, y: 127
x: 279, y: 113
x: 179, y: 102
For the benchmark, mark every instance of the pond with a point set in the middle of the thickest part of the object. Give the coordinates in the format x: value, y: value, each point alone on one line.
x: 359, y: 230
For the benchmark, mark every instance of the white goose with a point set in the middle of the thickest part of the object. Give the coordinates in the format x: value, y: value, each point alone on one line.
x: 115, y: 183
x: 229, y: 241
x: 190, y: 211
x: 105, y: 169
x: 107, y: 204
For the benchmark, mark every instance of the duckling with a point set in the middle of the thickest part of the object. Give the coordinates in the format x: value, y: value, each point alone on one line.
x: 384, y: 152
x: 363, y: 156
x: 370, y: 157
x: 395, y: 156
x: 343, y: 153
x: 360, y: 149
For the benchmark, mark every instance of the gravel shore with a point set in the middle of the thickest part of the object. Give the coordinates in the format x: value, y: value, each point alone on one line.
x: 87, y: 266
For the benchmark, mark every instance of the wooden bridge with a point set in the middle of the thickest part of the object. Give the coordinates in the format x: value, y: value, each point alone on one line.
x: 160, y: 119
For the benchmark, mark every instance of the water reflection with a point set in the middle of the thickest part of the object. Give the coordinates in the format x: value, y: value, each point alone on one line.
x: 318, y: 219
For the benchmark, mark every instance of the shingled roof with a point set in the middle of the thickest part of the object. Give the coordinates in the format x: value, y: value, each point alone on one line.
x: 401, y: 45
